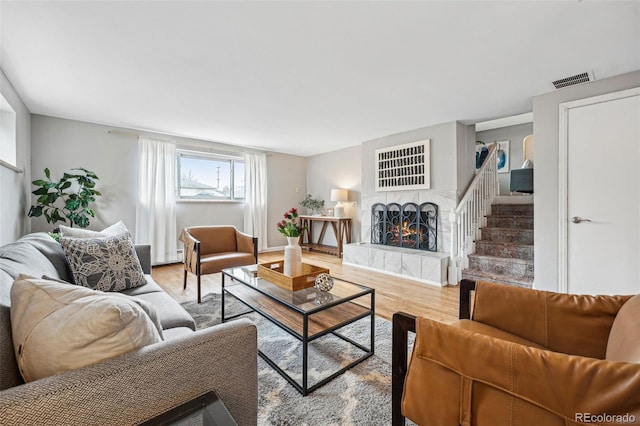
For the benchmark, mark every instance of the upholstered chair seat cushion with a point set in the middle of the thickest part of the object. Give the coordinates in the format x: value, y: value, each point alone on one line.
x: 218, y: 261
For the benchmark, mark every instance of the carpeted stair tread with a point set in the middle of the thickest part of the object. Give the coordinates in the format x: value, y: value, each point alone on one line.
x: 502, y: 265
x: 506, y: 229
x: 510, y: 221
x: 478, y: 275
x: 512, y: 209
x: 510, y: 250
x: 507, y: 235
x: 501, y: 259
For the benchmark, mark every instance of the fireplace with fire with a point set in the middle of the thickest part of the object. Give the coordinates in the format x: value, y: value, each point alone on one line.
x: 409, y: 225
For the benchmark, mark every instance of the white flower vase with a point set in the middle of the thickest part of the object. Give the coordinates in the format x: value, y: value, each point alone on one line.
x: 292, y: 257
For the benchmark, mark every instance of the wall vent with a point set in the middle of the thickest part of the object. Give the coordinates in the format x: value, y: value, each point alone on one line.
x: 584, y: 77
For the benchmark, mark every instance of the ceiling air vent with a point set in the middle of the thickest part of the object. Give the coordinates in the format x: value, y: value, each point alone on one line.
x: 585, y: 77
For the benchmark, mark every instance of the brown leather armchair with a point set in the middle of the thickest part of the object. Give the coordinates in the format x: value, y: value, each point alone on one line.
x: 210, y: 249
x: 524, y: 357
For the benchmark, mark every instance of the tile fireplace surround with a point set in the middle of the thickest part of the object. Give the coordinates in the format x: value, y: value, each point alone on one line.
x: 423, y: 266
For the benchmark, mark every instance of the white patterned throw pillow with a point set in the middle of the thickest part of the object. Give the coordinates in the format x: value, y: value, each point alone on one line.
x: 106, y: 264
x: 117, y: 228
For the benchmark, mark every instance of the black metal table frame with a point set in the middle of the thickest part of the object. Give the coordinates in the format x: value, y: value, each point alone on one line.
x: 304, y: 389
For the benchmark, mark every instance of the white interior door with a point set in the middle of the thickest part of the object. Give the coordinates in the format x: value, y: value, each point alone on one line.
x: 602, y: 221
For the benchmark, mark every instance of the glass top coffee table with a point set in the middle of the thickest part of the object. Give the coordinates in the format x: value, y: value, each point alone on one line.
x: 305, y: 314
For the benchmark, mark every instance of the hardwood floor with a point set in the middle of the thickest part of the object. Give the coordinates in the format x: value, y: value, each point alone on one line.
x: 393, y: 294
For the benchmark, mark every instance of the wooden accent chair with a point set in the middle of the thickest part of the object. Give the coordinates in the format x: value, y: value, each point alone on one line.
x: 210, y: 249
x: 520, y: 357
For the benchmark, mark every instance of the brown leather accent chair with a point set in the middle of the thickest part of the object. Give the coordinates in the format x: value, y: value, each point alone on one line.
x: 210, y: 249
x: 522, y: 357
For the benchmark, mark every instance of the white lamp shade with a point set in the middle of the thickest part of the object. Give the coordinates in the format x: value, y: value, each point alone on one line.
x: 339, y: 195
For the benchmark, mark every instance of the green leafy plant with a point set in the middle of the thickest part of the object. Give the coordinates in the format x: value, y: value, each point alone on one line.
x: 67, y: 199
x: 312, y: 204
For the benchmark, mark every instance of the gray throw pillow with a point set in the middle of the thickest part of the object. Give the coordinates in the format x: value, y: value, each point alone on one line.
x: 106, y: 264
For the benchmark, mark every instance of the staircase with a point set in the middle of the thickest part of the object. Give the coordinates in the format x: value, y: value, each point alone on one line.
x: 504, y: 254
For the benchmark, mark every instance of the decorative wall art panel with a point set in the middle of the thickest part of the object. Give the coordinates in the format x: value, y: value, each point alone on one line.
x: 404, y: 167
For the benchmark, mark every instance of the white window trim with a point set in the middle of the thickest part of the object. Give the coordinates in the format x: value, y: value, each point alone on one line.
x: 212, y: 156
x: 8, y: 136
x: 10, y: 166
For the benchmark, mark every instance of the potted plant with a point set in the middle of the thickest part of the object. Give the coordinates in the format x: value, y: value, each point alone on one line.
x: 313, y: 204
x: 66, y: 200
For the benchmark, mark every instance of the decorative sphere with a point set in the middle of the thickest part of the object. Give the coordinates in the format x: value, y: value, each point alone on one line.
x: 324, y: 282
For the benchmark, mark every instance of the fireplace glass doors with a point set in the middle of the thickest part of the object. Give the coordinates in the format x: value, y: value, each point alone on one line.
x: 409, y: 225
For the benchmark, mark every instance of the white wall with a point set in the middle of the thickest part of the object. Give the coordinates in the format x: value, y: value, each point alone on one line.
x: 287, y: 185
x: 465, y: 156
x: 515, y: 135
x: 546, y: 177
x: 15, y: 187
x: 61, y: 144
x: 337, y: 169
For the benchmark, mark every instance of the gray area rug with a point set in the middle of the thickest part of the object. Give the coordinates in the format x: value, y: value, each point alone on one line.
x: 360, y: 396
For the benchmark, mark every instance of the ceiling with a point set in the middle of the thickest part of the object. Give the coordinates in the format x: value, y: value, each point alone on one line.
x: 304, y: 77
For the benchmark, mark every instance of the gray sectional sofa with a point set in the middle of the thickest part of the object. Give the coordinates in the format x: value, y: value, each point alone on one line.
x: 139, y: 385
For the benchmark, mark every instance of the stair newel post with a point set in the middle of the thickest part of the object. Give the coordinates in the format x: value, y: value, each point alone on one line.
x: 452, y: 276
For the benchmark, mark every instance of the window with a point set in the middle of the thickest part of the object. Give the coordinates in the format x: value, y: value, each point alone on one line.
x: 209, y: 177
x: 7, y: 133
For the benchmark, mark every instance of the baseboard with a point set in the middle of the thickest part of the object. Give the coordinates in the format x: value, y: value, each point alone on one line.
x: 269, y: 249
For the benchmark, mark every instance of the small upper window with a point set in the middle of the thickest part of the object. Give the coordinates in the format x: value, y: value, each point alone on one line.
x: 209, y: 177
x: 7, y: 133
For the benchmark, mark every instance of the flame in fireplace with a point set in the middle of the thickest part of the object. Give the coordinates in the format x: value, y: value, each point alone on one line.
x: 406, y: 233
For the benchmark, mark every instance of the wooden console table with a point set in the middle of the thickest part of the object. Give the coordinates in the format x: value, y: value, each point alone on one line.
x: 341, y: 229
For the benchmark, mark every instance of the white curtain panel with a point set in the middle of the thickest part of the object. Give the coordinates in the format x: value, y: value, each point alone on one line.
x: 255, y: 204
x: 156, y: 208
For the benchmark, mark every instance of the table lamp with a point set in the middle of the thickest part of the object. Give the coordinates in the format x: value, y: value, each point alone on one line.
x: 339, y: 195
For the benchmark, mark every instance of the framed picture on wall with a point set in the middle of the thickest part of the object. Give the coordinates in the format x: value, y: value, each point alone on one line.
x: 502, y: 156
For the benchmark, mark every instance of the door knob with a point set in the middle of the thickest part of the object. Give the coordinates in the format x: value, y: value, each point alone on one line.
x: 577, y: 219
